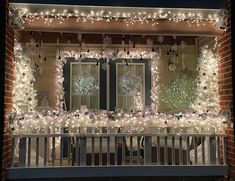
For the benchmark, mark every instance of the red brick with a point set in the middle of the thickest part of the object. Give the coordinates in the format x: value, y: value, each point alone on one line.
x: 225, y: 86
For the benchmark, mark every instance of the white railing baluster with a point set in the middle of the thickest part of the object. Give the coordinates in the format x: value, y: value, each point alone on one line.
x: 12, y: 151
x: 53, y: 151
x: 131, y: 150
x: 116, y: 151
x: 203, y: 150
x: 173, y: 150
x: 188, y: 150
x: 92, y: 151
x: 82, y: 151
x: 108, y: 150
x: 147, y: 150
x: 77, y: 152
x: 100, y: 152
x: 69, y: 149
x: 212, y: 150
x: 195, y: 149
x: 22, y: 152
x: 29, y: 151
x: 37, y: 151
x: 218, y: 150
x: 158, y: 151
x: 138, y: 150
x: 225, y: 150
x: 180, y: 151
x: 165, y: 151
x: 61, y: 150
x: 45, y: 151
x: 123, y: 150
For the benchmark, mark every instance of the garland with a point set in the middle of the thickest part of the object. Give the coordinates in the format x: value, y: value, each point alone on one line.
x: 42, y: 121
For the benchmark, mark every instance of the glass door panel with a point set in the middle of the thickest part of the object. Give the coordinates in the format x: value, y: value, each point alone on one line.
x: 85, y: 85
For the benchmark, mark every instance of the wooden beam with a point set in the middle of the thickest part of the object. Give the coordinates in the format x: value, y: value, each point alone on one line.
x: 52, y: 37
x: 120, y: 27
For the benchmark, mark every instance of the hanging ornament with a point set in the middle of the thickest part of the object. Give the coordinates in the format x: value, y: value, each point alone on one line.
x: 131, y: 44
x: 182, y: 44
x: 172, y: 64
x: 160, y: 39
x: 79, y: 36
x: 186, y: 73
x: 107, y: 40
x: 85, y: 84
x: 174, y: 48
x: 172, y: 67
x: 149, y: 42
x: 32, y: 40
x: 103, y: 66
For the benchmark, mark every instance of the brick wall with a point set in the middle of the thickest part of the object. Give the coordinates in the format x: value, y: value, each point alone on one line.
x: 226, y: 86
x: 8, y: 79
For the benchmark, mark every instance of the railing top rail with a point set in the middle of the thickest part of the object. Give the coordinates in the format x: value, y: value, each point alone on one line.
x: 120, y: 135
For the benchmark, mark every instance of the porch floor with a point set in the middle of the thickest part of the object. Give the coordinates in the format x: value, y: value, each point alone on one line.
x: 116, y: 171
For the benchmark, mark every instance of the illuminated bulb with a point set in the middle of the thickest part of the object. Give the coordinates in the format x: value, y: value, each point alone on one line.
x: 25, y: 10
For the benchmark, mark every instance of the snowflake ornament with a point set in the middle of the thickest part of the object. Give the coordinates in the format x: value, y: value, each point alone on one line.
x: 160, y: 39
x: 174, y: 47
x: 149, y: 42
x: 107, y: 40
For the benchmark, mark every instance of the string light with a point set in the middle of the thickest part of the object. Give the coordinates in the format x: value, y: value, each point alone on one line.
x: 209, y: 120
x: 110, y: 53
x: 78, y: 119
x: 130, y: 18
x: 59, y: 81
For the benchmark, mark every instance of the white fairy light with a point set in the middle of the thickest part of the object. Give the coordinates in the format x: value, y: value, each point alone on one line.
x: 199, y: 19
x: 155, y: 82
x: 112, y: 54
x: 59, y: 81
x: 24, y: 123
x: 57, y: 119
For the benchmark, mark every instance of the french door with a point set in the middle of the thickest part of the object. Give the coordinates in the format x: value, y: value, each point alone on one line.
x: 84, y: 85
x: 130, y: 86
x: 119, y: 86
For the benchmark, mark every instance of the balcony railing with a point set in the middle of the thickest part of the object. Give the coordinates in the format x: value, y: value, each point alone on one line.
x: 117, y: 154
